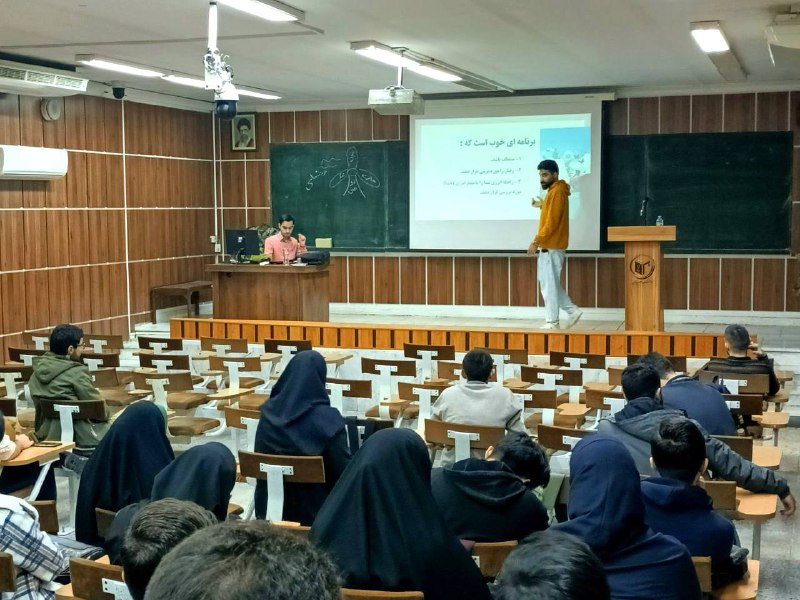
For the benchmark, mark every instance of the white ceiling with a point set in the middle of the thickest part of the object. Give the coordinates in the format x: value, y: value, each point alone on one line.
x: 523, y: 44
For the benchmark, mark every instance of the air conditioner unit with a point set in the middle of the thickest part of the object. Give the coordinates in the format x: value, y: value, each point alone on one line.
x: 39, y: 82
x: 785, y: 31
x: 396, y: 100
x: 28, y: 162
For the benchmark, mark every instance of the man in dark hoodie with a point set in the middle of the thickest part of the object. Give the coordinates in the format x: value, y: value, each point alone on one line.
x: 676, y: 505
x: 59, y: 374
x: 738, y: 361
x: 490, y: 500
x: 637, y: 424
x: 700, y: 401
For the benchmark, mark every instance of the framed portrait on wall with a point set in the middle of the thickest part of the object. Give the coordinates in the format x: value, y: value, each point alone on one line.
x: 243, y: 132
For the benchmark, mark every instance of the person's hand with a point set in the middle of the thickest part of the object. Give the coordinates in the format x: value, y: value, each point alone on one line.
x: 24, y: 441
x: 789, y: 506
x: 756, y: 349
x: 301, y: 239
x: 532, y: 249
x: 536, y: 202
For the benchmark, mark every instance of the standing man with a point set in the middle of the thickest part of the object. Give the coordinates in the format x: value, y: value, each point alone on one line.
x: 282, y: 246
x: 551, y: 241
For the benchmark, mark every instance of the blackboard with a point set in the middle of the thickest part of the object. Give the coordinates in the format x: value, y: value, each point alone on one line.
x: 725, y: 192
x: 355, y: 193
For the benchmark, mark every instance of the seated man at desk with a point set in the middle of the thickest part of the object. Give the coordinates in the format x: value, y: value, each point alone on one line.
x: 59, y: 374
x: 282, y: 246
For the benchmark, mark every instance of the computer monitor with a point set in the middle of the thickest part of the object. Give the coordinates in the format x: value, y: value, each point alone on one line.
x: 239, y: 242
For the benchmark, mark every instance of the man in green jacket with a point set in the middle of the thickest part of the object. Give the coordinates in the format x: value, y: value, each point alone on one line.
x: 59, y: 374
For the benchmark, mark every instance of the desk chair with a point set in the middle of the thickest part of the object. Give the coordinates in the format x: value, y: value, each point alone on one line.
x: 8, y: 573
x: 603, y: 402
x: 425, y: 355
x: 506, y: 356
x: 48, y: 515
x: 287, y: 349
x: 162, y: 363
x: 234, y: 366
x: 552, y: 379
x: 94, y: 580
x: 103, y: 518
x: 678, y: 362
x: 462, y: 437
x: 745, y: 589
x: 424, y: 394
x: 160, y: 344
x: 103, y: 343
x: 578, y: 360
x: 548, y: 408
x: 448, y: 371
x: 561, y: 438
x: 339, y: 389
x: 490, y: 556
x: 96, y: 360
x: 745, y: 505
x: 768, y: 457
x: 388, y: 371
x: 359, y: 430
x: 38, y: 339
x: 24, y: 355
x: 276, y: 470
x: 14, y: 377
x: 240, y: 419
x: 351, y: 594
x: 223, y: 346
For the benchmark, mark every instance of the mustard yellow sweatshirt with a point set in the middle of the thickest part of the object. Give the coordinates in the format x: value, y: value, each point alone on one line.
x: 554, y: 221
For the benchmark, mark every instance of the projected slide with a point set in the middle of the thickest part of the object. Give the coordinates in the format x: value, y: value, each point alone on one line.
x: 471, y: 176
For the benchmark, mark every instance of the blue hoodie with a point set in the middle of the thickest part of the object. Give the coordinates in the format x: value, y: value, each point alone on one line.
x: 700, y: 402
x: 606, y: 511
x: 685, y: 511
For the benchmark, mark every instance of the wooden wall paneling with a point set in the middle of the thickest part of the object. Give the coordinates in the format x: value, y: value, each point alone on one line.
x: 77, y: 190
x: 9, y: 120
x: 115, y: 224
x: 347, y: 337
x: 639, y: 344
x: 257, y: 183
x: 219, y: 329
x: 100, y: 286
x: 59, y: 298
x: 95, y: 124
x: 582, y: 280
x: 707, y: 114
x: 257, y: 216
x: 610, y: 282
x: 772, y: 111
x: 618, y: 116
x: 523, y: 274
x: 365, y: 338
x: 10, y: 193
x: 14, y: 302
x: 359, y: 124
x: 793, y: 284
x: 439, y: 280
x: 233, y: 184
x: 673, y: 288
x: 119, y: 326
x: 497, y: 339
x: 34, y: 194
x: 204, y: 329
x: 661, y: 344
x: 795, y: 248
x: 400, y: 337
x: 420, y: 336
x: 387, y: 280
x: 333, y: 125
x: 704, y: 277
x: 477, y: 339
x: 385, y: 127
x: 735, y: 291
x: 360, y: 281
x: 577, y: 342
x: 598, y: 344
x: 536, y: 343
x: 467, y: 276
x: 33, y: 239
x: 556, y: 342
x: 263, y: 134
x: 234, y: 218
x: 675, y: 114
x: 516, y: 341
x: 112, y: 117
x: 12, y: 248
x: 618, y: 345
x: 439, y: 337
x: 494, y: 280
x: 412, y: 280
x: 383, y: 339
x: 75, y: 121
x: 96, y: 195
x: 404, y: 125
x: 56, y: 195
x: 31, y: 132
x: 307, y: 124
x: 769, y: 283
x: 139, y: 286
x: 740, y: 112
x: 37, y: 299
x: 118, y: 294
x: 337, y: 279
x: 703, y: 346
x: 643, y: 116
x: 281, y: 126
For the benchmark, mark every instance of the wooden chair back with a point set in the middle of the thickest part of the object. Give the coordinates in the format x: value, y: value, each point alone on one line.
x: 30, y: 338
x: 359, y: 429
x: 105, y: 342
x: 439, y: 433
x: 553, y: 437
x: 592, y: 361
x: 24, y: 371
x: 535, y: 398
x: 678, y: 362
x: 401, y: 367
x: 742, y: 445
x: 443, y: 352
x: 87, y: 578
x: 276, y: 346
x: 408, y: 391
x: 104, y: 518
x: 246, y: 363
x: 748, y: 404
x: 16, y: 354
x: 490, y: 556
x: 235, y: 345
x: 305, y: 469
x: 94, y: 410
x: 451, y: 371
x: 105, y: 378
x: 8, y: 573
x: 107, y: 359
x: 595, y: 398
x: 510, y: 355
x: 568, y: 376
x: 8, y: 406
x: 178, y: 381
x: 358, y: 388
x: 755, y: 384
x: 171, y: 344
x: 351, y: 594
x: 48, y: 515
x: 177, y: 362
x: 723, y: 494
x: 702, y: 566
x: 234, y: 416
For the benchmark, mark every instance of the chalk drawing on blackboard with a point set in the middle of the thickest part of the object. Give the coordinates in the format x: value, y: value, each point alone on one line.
x: 354, y: 176
x: 325, y: 165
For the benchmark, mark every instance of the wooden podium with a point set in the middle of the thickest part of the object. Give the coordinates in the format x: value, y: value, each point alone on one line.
x: 274, y: 292
x: 643, y: 263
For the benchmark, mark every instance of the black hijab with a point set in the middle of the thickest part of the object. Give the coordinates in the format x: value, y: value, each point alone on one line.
x: 122, y: 468
x: 383, y: 529
x: 298, y: 417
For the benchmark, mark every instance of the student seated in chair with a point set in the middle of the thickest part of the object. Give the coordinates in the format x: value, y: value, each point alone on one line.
x: 637, y: 424
x: 155, y: 530
x: 13, y: 479
x: 700, y: 401
x: 676, y: 505
x: 477, y: 402
x: 491, y: 499
x: 552, y: 565
x: 245, y: 560
x: 607, y: 512
x: 59, y: 374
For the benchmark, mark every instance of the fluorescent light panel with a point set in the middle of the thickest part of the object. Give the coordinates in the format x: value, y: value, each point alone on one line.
x: 108, y: 64
x: 382, y: 53
x: 257, y: 94
x: 435, y: 73
x: 185, y: 80
x: 271, y: 10
x: 709, y: 36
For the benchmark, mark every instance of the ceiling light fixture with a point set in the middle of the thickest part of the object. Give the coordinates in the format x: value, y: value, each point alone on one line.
x: 435, y: 73
x: 185, y: 80
x: 110, y: 64
x: 200, y: 84
x: 271, y: 10
x: 263, y: 95
x: 709, y: 36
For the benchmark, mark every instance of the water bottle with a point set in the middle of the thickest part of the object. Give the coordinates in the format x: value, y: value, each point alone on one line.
x: 659, y: 221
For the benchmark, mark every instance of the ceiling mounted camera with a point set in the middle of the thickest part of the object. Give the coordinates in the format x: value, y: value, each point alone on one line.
x: 218, y: 73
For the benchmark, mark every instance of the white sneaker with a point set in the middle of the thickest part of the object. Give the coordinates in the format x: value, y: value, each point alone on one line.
x: 573, y: 318
x: 551, y: 326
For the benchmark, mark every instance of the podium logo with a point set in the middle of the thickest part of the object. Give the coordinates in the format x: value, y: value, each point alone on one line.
x: 643, y: 267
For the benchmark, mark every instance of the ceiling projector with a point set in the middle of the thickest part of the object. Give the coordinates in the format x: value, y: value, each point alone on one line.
x: 396, y: 100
